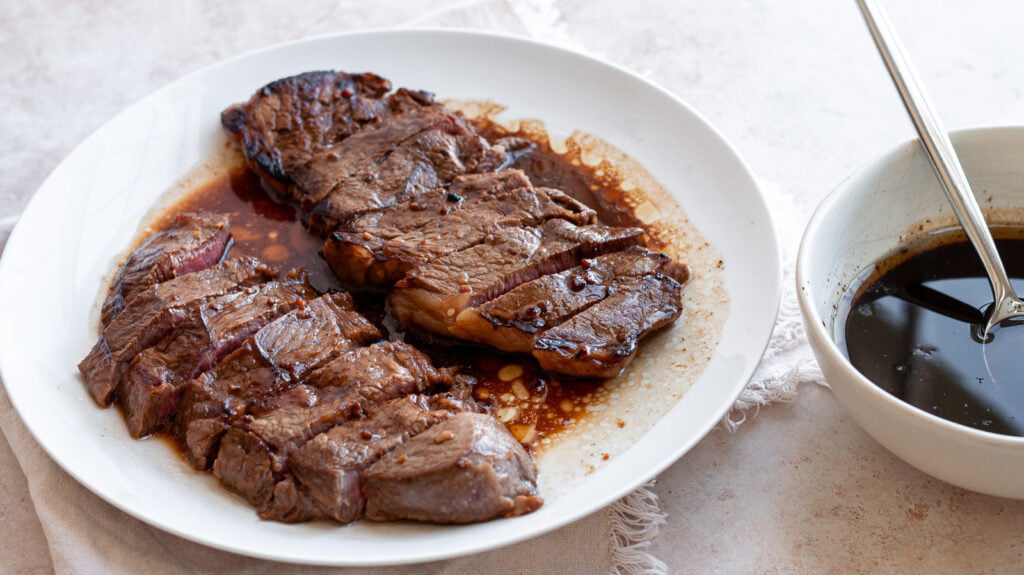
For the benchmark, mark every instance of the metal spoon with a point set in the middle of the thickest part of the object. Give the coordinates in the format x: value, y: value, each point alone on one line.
x: 946, y: 163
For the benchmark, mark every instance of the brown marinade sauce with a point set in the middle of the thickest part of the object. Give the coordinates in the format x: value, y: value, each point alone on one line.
x: 599, y: 188
x: 532, y: 403
x: 913, y: 328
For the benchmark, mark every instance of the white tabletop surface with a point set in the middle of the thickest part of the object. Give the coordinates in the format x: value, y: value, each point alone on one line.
x: 795, y: 85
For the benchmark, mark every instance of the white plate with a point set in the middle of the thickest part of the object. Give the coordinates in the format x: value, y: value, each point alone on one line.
x: 89, y: 208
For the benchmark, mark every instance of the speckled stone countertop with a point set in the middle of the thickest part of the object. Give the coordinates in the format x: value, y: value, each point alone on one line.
x: 797, y: 88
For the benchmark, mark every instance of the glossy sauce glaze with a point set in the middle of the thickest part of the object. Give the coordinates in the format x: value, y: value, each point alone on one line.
x: 533, y: 404
x: 601, y: 187
x: 912, y: 329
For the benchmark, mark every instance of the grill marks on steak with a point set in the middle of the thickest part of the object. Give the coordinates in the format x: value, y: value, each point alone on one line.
x: 191, y: 243
x: 290, y: 122
x: 601, y: 340
x: 253, y: 453
x: 513, y: 321
x: 376, y: 249
x: 154, y: 313
x: 470, y: 454
x: 433, y: 295
x: 338, y: 144
x: 152, y: 388
x: 441, y: 147
x: 276, y: 358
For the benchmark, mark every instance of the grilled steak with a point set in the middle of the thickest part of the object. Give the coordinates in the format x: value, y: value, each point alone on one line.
x: 338, y: 144
x: 511, y: 321
x: 193, y: 242
x: 467, y: 468
x: 403, y: 165
x: 253, y: 452
x: 154, y: 313
x: 150, y: 391
x: 601, y: 340
x: 292, y: 122
x: 376, y: 249
x: 279, y: 356
x: 290, y: 398
x: 325, y: 480
x: 431, y: 296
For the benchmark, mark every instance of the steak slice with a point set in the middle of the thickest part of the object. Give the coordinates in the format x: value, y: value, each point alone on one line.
x: 601, y: 340
x: 277, y: 357
x: 154, y: 313
x: 376, y: 249
x: 293, y: 121
x: 465, y: 469
x: 512, y: 321
x: 325, y: 472
x: 152, y: 387
x: 253, y: 452
x: 338, y: 144
x: 193, y: 242
x: 405, y: 156
x: 431, y: 296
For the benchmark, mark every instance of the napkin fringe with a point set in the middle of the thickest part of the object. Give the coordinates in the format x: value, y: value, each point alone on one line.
x: 636, y: 520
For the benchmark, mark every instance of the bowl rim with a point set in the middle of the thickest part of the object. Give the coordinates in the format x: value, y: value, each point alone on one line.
x: 814, y: 323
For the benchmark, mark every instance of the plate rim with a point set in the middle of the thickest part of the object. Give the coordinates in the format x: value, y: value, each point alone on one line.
x: 625, y: 487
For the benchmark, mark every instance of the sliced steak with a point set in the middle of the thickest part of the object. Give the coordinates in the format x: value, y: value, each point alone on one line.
x: 465, y: 469
x: 511, y: 321
x: 279, y: 356
x: 151, y: 389
x: 406, y: 156
x: 338, y: 144
x: 601, y: 340
x: 290, y: 123
x: 431, y: 296
x: 253, y: 452
x: 376, y: 249
x: 193, y: 242
x: 154, y: 313
x: 325, y: 472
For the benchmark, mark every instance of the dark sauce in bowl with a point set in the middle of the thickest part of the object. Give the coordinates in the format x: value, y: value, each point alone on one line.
x: 912, y: 328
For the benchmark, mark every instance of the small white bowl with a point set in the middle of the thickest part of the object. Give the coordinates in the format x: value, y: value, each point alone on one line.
x: 864, y: 220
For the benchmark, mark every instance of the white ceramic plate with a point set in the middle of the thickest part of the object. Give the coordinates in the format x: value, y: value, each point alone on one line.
x: 89, y: 208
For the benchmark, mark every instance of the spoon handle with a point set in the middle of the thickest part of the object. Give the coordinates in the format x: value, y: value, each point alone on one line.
x: 939, y: 148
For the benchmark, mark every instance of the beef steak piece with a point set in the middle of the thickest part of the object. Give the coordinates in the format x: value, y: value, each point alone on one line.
x: 431, y: 296
x: 253, y: 453
x: 512, y: 321
x: 338, y: 144
x: 403, y: 157
x: 601, y: 340
x: 154, y: 313
x: 151, y: 389
x: 193, y: 242
x: 289, y: 123
x: 325, y: 472
x: 376, y: 249
x: 276, y: 358
x: 465, y: 469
